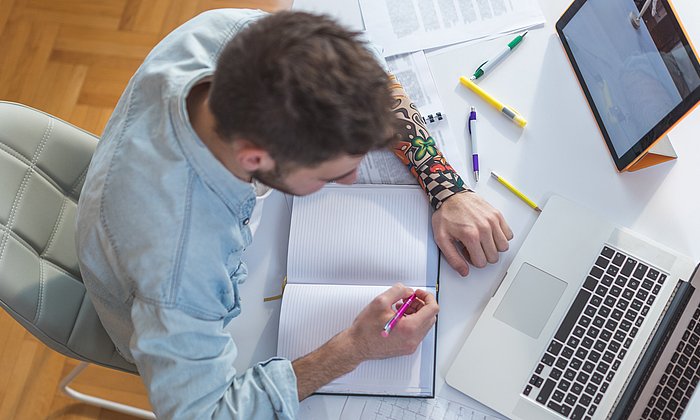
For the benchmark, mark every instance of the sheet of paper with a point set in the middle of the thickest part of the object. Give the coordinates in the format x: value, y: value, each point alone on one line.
x: 413, y: 72
x: 401, y: 26
x: 362, y: 234
x: 312, y: 314
x: 410, y: 409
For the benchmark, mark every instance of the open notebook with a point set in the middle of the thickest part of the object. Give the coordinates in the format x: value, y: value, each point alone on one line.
x: 347, y: 244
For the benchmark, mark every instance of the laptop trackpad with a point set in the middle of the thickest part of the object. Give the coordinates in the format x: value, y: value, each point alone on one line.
x: 530, y: 300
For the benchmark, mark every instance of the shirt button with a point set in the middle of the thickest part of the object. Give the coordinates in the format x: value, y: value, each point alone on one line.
x: 246, y: 221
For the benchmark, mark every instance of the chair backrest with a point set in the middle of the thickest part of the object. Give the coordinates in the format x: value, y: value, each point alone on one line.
x: 43, y: 162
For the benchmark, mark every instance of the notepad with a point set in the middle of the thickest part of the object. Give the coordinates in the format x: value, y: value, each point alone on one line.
x: 347, y: 244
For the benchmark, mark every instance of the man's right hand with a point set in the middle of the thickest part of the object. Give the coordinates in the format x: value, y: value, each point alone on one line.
x: 408, y: 332
x: 363, y: 340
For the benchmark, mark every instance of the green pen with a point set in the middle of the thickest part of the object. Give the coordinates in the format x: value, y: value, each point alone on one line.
x: 488, y: 65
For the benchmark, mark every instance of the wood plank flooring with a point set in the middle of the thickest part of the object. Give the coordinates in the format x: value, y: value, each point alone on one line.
x: 72, y: 59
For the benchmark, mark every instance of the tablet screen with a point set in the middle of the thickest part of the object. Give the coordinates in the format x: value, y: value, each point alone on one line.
x: 638, y: 80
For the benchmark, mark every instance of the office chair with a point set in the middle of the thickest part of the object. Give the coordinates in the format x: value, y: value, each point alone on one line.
x: 43, y: 163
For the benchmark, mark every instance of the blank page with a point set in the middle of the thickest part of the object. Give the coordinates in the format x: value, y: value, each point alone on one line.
x: 362, y: 234
x: 313, y: 314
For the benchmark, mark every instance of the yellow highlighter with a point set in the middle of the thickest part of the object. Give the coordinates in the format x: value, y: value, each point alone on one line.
x: 517, y: 192
x: 506, y: 110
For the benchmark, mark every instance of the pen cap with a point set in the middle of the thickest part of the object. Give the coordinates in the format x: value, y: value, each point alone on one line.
x: 518, y: 119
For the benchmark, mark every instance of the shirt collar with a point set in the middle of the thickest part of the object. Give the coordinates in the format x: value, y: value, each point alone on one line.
x: 232, y: 190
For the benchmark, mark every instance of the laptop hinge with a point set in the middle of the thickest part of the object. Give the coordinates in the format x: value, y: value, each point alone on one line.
x: 681, y: 296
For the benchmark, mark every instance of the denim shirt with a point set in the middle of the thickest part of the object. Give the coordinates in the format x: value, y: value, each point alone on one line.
x: 160, y: 231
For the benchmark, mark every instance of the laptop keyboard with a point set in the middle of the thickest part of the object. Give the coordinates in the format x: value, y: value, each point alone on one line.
x: 594, y: 336
x: 680, y: 378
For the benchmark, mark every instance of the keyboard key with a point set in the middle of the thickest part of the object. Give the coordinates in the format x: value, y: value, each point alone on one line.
x: 546, y: 390
x: 585, y: 400
x: 558, y: 396
x: 608, y: 252
x: 555, y: 374
x: 570, y: 319
x: 593, y: 332
x: 621, y: 281
x: 548, y: 359
x: 578, y: 413
x: 587, y: 342
x: 570, y: 374
x: 662, y: 279
x: 554, y: 347
x: 640, y: 271
x: 653, y: 274
x: 608, y: 357
x: 602, y: 262
x: 618, y: 259
x: 581, y: 353
x: 568, y: 352
x: 588, y: 367
x: 594, y: 356
x: 633, y: 284
x: 564, y: 385
x: 614, y: 346
x: 597, y: 377
x: 607, y: 280
x: 605, y: 335
x: 576, y: 363
x: 539, y: 368
x: 527, y: 390
x: 561, y: 363
x: 612, y: 270
x: 590, y: 283
x: 615, y: 290
x: 596, y: 272
x: 599, y: 345
x: 583, y: 377
x: 577, y: 387
x: 647, y: 284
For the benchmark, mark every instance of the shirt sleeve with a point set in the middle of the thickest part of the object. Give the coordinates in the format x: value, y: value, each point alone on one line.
x: 186, y: 364
x: 417, y: 149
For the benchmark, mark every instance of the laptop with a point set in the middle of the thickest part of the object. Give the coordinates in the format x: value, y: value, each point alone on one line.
x: 591, y: 321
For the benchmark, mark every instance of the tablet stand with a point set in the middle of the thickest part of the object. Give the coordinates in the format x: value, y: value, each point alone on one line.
x: 661, y: 151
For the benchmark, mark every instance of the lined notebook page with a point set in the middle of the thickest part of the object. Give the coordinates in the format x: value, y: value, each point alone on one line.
x: 362, y: 234
x: 312, y: 314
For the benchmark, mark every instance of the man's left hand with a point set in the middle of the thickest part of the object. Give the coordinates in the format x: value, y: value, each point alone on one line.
x: 466, y: 222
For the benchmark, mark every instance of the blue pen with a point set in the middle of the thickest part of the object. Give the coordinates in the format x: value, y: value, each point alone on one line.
x: 472, y: 134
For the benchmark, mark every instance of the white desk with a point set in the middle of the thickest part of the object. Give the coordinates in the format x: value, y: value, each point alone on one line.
x: 560, y: 152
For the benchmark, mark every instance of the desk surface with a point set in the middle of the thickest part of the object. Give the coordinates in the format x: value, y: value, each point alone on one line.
x: 560, y: 152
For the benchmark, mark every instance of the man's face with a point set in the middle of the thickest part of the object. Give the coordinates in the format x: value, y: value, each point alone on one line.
x: 307, y: 180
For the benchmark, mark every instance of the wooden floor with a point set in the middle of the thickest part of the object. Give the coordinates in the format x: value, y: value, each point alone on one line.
x: 72, y: 59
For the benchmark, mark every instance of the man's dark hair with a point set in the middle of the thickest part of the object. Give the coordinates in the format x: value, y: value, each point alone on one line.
x: 303, y: 88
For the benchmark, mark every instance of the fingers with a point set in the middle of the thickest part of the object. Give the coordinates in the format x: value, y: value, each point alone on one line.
x: 394, y: 294
x: 453, y: 257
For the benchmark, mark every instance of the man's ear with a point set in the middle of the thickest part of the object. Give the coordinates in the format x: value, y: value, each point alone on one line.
x: 252, y: 158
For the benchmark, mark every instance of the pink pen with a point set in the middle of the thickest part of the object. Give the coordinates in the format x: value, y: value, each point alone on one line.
x: 392, y: 322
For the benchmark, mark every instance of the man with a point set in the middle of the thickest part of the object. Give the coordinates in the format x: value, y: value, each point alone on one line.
x: 231, y: 99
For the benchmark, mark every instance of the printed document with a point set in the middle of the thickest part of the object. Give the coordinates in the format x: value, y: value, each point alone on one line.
x: 402, y: 26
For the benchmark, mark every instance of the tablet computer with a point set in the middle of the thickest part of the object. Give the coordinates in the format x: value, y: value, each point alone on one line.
x: 640, y: 74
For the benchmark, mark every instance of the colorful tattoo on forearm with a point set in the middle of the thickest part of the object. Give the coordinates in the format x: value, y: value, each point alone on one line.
x: 418, y: 151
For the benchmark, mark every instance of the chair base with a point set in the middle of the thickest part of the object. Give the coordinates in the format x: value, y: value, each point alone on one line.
x: 99, y: 402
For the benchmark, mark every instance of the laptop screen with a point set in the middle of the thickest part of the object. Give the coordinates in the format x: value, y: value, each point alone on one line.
x: 640, y: 77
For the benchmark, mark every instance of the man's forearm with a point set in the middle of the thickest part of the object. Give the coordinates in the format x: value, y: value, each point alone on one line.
x: 417, y: 149
x: 324, y: 364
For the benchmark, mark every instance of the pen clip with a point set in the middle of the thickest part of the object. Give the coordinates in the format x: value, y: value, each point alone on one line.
x: 482, y: 65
